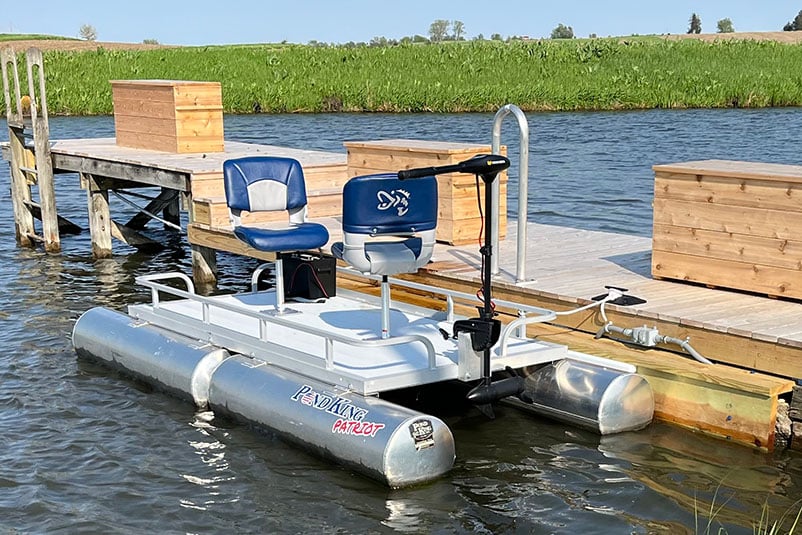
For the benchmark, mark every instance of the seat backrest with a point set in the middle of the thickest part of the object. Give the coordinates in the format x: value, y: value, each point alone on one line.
x: 265, y: 183
x: 389, y: 225
x: 382, y: 204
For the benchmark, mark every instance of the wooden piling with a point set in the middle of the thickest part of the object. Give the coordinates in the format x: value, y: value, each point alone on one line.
x: 20, y: 190
x: 41, y: 140
x: 99, y: 216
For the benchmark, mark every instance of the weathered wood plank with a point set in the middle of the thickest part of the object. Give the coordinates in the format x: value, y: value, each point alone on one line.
x: 165, y: 198
x: 140, y: 173
x: 776, y: 252
x: 20, y: 191
x: 100, y: 223
x: 217, y: 239
x: 735, y: 169
x: 795, y: 407
x: 204, y: 264
x: 769, y: 280
x: 770, y: 194
x: 106, y: 150
x: 41, y: 140
x: 133, y: 238
x: 65, y: 225
x: 731, y: 219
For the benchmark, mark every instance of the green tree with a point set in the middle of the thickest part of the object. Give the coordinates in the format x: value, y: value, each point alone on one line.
x: 87, y: 32
x: 458, y: 28
x: 438, y: 30
x: 795, y: 25
x: 496, y: 37
x: 725, y: 26
x: 695, y: 24
x: 562, y: 32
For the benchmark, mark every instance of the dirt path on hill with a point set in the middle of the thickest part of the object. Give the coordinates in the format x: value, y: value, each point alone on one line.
x: 781, y: 37
x: 68, y: 45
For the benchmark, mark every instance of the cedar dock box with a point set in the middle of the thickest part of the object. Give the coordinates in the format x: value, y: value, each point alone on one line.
x: 168, y: 115
x: 729, y: 224
x: 458, y: 219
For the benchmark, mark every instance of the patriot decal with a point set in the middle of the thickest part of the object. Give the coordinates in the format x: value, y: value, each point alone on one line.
x: 357, y: 429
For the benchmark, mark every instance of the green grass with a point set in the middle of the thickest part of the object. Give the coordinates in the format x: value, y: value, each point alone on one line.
x: 596, y: 74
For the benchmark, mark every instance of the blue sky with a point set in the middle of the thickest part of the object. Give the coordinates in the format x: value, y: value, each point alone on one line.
x: 198, y: 22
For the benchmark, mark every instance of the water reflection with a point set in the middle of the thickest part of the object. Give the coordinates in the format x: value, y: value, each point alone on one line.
x: 702, y: 476
x: 215, y: 470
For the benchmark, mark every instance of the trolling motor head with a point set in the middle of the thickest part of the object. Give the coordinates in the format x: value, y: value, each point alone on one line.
x: 484, y: 330
x: 487, y: 166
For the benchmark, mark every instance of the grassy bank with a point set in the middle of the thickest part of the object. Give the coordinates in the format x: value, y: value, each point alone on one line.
x: 473, y: 76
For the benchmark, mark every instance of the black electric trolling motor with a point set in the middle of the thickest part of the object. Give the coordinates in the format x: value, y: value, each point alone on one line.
x: 486, y: 329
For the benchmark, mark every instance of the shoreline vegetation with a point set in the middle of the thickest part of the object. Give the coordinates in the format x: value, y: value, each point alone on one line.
x: 472, y: 76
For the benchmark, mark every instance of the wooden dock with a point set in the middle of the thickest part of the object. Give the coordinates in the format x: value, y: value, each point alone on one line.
x: 749, y: 333
x: 755, y: 341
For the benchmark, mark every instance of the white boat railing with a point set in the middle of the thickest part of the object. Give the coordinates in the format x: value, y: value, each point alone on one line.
x: 209, y: 303
x: 453, y: 295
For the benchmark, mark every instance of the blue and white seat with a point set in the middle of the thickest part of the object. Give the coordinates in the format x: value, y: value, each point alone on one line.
x: 266, y: 183
x: 388, y: 228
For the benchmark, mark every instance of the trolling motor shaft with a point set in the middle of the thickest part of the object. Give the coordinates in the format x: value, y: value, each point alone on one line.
x: 486, y: 329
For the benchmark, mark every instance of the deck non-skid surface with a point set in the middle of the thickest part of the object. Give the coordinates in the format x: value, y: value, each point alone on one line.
x: 575, y: 265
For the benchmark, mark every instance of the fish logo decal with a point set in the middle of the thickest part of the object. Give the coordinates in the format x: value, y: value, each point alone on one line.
x: 397, y: 198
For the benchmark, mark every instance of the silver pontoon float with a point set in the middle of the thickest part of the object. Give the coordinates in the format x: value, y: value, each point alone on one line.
x: 318, y: 371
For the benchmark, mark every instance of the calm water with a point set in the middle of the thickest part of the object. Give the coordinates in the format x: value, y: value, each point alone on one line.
x: 84, y: 450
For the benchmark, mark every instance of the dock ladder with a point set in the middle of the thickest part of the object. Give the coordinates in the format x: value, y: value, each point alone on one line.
x: 31, y: 162
x: 523, y: 190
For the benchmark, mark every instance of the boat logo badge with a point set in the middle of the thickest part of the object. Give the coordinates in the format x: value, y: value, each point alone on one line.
x: 422, y: 433
x: 397, y: 198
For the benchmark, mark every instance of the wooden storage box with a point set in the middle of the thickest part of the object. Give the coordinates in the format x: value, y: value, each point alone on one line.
x: 168, y: 115
x: 729, y: 224
x: 458, y: 216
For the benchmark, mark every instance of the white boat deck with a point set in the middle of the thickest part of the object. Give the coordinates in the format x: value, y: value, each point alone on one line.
x: 337, y: 340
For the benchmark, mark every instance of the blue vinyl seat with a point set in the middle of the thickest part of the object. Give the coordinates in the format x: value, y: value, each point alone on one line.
x: 266, y: 183
x: 388, y: 228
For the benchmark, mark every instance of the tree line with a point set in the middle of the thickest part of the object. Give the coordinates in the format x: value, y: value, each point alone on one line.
x: 445, y: 30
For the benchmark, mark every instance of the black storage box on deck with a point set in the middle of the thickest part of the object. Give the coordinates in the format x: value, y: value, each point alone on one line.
x: 309, y: 276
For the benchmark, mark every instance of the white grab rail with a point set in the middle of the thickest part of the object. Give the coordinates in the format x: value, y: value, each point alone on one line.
x: 523, y: 189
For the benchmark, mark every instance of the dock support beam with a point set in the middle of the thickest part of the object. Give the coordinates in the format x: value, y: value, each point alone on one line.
x: 204, y: 264
x: 99, y: 216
